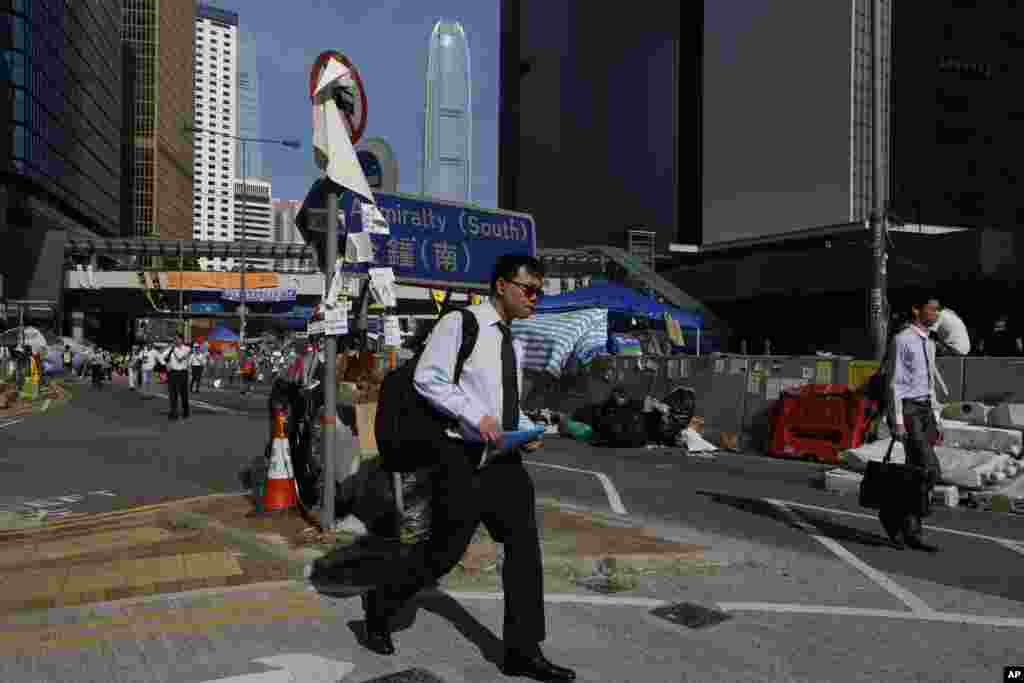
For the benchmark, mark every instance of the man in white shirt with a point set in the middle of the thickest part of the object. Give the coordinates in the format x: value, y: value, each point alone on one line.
x: 149, y: 360
x: 177, y: 359
x: 910, y: 366
x: 485, y: 402
x: 198, y: 365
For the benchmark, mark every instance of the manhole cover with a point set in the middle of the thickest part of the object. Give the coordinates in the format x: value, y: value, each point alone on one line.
x: 690, y: 615
x: 408, y: 676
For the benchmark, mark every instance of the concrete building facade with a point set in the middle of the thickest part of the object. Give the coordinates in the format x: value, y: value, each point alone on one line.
x: 216, y: 115
x: 285, y: 230
x: 254, y: 216
x: 159, y: 34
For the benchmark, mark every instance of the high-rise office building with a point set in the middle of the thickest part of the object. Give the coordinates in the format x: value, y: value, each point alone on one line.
x: 251, y: 165
x: 159, y: 35
x: 447, y: 170
x: 216, y: 116
x: 254, y: 218
x: 285, y: 230
x: 61, y: 109
x: 589, y: 120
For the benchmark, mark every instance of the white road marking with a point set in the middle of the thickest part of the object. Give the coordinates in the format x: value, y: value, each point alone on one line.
x: 916, y: 604
x: 197, y: 402
x: 609, y: 488
x: 1007, y: 542
x: 570, y: 599
x: 944, y: 617
x: 11, y: 423
x: 295, y: 667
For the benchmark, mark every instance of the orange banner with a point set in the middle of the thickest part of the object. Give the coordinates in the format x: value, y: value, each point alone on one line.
x: 201, y: 280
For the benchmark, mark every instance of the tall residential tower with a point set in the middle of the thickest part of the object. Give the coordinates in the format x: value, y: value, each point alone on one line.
x: 216, y: 113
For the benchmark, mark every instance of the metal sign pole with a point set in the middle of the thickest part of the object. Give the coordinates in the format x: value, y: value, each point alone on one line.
x: 330, y: 410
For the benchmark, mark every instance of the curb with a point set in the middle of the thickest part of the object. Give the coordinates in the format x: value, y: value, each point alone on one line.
x: 257, y: 543
x: 250, y: 542
x: 112, y: 516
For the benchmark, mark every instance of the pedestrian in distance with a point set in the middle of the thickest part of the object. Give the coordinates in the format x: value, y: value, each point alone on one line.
x: 67, y: 359
x: 499, y: 492
x: 149, y: 361
x: 912, y: 407
x: 198, y: 363
x: 1003, y: 341
x: 177, y: 360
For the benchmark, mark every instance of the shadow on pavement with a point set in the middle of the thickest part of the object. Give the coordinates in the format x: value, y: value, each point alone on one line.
x: 491, y: 647
x: 827, y: 528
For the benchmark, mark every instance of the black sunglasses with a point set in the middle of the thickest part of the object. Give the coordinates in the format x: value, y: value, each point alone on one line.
x: 529, y: 291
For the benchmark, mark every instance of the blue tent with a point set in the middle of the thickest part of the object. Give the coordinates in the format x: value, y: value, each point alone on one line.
x: 223, y: 334
x: 617, y: 299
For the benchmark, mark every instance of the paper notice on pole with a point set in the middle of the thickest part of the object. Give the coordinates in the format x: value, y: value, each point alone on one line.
x: 382, y: 282
x: 392, y: 331
x: 358, y: 248
x: 336, y: 320
x: 373, y: 220
x: 719, y: 365
x: 772, y: 388
x: 808, y: 373
x: 337, y: 282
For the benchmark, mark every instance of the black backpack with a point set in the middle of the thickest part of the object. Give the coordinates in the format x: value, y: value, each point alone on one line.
x: 407, y: 426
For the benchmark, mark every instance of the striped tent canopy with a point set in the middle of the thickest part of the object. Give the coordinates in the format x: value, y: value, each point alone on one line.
x: 554, y: 342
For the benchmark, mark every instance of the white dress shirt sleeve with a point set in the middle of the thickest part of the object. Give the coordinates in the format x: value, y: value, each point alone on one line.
x: 434, y: 373
x: 895, y: 369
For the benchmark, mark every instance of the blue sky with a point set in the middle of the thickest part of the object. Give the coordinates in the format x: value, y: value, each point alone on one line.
x: 387, y: 41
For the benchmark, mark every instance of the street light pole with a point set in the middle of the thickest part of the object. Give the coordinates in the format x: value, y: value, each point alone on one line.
x: 241, y: 306
x: 291, y: 144
x: 877, y: 304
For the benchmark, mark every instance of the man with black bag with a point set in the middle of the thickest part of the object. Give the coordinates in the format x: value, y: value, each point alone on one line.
x: 475, y: 479
x: 911, y: 378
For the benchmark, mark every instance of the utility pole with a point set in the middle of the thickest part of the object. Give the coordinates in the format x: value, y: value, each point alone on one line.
x: 877, y: 300
x: 330, y: 409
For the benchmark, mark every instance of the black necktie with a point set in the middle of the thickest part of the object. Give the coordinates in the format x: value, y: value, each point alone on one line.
x: 509, y: 382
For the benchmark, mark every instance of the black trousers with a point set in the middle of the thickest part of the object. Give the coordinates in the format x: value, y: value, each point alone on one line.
x: 177, y: 390
x: 197, y: 377
x: 501, y: 495
x: 919, y: 447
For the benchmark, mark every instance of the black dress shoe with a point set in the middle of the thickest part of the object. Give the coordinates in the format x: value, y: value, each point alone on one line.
x: 536, y: 667
x: 916, y: 543
x: 378, y: 639
x: 378, y: 635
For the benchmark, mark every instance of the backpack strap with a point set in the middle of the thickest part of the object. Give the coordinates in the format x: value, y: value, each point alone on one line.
x: 470, y: 332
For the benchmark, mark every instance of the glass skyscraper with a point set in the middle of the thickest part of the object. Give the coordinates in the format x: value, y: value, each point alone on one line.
x: 447, y: 171
x: 61, y: 114
x: 248, y: 108
x: 62, y: 111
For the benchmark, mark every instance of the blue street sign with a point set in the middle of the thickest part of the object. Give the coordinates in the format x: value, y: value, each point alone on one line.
x: 440, y: 244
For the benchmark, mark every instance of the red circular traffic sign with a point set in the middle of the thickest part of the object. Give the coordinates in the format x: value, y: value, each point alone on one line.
x: 351, y: 104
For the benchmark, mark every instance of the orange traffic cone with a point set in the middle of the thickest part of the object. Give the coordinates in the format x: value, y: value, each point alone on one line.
x: 280, y: 490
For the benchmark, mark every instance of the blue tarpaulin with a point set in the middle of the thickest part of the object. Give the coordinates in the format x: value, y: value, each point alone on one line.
x: 617, y: 299
x: 223, y: 334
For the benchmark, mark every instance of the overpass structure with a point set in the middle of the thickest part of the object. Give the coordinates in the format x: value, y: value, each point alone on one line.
x: 124, y: 290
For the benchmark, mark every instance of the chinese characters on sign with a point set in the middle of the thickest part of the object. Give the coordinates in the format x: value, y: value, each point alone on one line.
x: 401, y: 253
x: 446, y: 258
